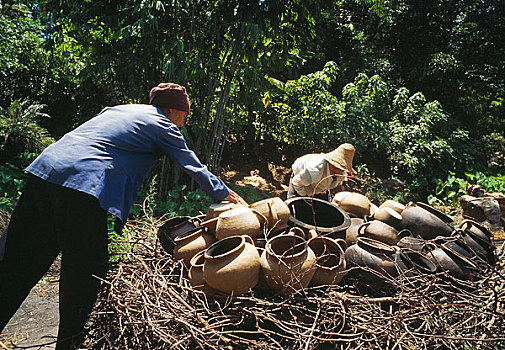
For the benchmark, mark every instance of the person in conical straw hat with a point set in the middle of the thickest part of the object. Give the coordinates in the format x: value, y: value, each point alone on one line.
x: 316, y: 174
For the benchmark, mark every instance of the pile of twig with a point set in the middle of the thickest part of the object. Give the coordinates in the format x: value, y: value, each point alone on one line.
x: 147, y: 303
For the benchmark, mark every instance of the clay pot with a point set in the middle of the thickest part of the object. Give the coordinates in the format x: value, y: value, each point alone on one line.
x: 172, y: 228
x: 390, y: 217
x: 477, y: 229
x: 338, y: 196
x: 371, y: 262
x: 396, y: 206
x: 232, y: 265
x: 275, y: 211
x: 481, y: 247
x: 355, y: 204
x: 215, y: 209
x: 449, y: 261
x: 351, y: 234
x: 379, y: 231
x: 192, y: 242
x: 411, y: 263
x: 422, y: 222
x: 288, y: 263
x: 317, y: 214
x: 195, y: 274
x: 239, y: 221
x: 445, y: 218
x: 408, y: 241
x: 330, y: 263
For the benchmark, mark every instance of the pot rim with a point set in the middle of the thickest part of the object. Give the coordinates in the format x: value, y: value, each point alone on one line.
x: 194, y: 260
x: 239, y: 245
x: 301, y: 242
x: 334, y: 244
x: 375, y: 244
x: 296, y: 222
x: 189, y: 234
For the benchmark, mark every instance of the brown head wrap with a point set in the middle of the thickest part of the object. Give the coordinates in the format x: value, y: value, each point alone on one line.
x: 170, y: 95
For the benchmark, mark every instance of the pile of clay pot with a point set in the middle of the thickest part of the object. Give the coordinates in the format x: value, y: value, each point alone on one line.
x: 394, y: 239
x: 285, y: 246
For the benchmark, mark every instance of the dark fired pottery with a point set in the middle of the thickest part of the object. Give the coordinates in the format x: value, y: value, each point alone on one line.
x: 379, y: 231
x: 174, y: 227
x: 372, y: 262
x: 422, y: 222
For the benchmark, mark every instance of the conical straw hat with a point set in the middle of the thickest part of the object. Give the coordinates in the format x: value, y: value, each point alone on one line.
x: 341, y: 157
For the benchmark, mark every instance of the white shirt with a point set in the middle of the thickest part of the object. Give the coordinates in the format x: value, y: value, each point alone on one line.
x: 313, y: 170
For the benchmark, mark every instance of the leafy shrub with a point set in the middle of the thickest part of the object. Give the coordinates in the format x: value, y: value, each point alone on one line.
x: 11, y: 184
x: 20, y: 135
x: 423, y: 143
x: 450, y: 190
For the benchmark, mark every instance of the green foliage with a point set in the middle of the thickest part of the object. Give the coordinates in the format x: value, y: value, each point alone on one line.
x: 11, y: 184
x: 20, y: 134
x: 423, y: 143
x: 30, y: 69
x: 180, y: 202
x: 450, y: 190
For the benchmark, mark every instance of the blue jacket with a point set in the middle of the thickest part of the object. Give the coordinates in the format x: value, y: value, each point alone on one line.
x: 110, y: 155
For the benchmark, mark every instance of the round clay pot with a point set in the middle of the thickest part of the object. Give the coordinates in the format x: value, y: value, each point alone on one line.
x: 317, y: 214
x: 172, y: 228
x: 449, y: 261
x: 275, y: 211
x: 215, y: 209
x: 412, y: 262
x: 356, y: 205
x: 351, y: 234
x: 330, y: 263
x: 396, y: 206
x: 409, y: 242
x: 232, y: 265
x: 476, y: 228
x: 288, y: 263
x: 338, y: 196
x: 371, y: 261
x: 192, y: 242
x: 379, y: 231
x: 483, y: 248
x: 390, y: 217
x: 195, y: 274
x: 422, y: 222
x: 444, y: 217
x: 239, y: 221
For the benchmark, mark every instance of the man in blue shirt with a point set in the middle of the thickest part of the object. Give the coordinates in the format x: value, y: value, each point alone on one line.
x: 96, y: 169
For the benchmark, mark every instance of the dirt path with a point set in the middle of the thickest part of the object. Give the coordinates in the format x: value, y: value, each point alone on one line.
x: 36, y: 321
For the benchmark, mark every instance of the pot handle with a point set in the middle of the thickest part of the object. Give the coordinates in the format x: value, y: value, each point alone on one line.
x: 248, y: 239
x: 263, y: 220
x: 406, y: 233
x: 360, y: 227
x: 342, y: 243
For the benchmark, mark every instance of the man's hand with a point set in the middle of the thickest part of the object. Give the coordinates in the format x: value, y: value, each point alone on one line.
x: 235, y: 198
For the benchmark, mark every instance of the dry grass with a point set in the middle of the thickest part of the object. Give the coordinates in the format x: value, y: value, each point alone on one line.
x: 147, y: 303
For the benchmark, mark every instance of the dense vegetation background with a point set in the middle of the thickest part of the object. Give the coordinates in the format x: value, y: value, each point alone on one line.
x: 417, y: 86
